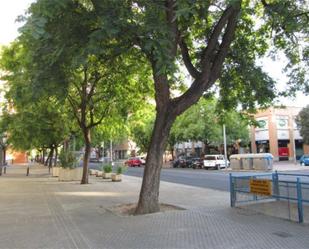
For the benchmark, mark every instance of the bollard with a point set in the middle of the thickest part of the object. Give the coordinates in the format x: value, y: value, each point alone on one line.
x: 4, y: 170
x: 28, y: 171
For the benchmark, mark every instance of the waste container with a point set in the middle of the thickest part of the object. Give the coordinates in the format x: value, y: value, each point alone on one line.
x: 263, y: 161
x: 247, y: 161
x: 235, y: 162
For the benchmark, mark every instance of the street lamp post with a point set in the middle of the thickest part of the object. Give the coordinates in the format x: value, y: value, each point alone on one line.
x: 292, y: 134
x: 111, y: 150
x: 225, y: 150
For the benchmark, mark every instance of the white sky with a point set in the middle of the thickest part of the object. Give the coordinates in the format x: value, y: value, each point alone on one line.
x: 11, y: 9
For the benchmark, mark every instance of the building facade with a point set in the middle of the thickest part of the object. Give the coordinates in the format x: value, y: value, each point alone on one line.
x: 278, y: 134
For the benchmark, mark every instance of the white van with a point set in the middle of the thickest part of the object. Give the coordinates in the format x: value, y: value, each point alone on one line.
x: 214, y: 161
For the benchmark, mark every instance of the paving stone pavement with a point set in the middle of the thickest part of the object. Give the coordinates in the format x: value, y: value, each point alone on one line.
x: 39, y: 212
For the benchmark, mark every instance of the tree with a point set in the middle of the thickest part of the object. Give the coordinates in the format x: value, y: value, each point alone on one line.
x: 68, y: 64
x: 218, y: 42
x: 30, y: 123
x: 203, y: 122
x: 302, y: 121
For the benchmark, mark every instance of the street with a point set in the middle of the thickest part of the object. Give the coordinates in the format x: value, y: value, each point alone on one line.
x: 199, y: 178
x: 214, y: 179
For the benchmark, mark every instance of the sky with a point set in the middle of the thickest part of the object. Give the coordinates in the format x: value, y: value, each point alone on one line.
x: 11, y: 9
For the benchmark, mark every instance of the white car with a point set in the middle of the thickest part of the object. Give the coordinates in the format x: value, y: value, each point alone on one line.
x: 215, y: 161
x: 143, y: 159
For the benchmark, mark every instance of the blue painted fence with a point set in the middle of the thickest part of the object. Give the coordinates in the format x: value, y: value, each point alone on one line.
x: 285, y: 186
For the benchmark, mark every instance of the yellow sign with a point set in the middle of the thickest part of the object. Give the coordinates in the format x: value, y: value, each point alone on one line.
x: 260, y: 186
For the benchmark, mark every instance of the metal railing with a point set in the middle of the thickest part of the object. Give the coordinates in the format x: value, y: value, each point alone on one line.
x: 290, y: 188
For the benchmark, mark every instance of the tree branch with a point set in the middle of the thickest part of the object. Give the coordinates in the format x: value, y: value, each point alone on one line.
x: 172, y: 23
x: 75, y: 109
x: 106, y: 111
x: 187, y: 60
x: 211, y: 66
x: 213, y: 40
x: 224, y: 46
x: 96, y: 79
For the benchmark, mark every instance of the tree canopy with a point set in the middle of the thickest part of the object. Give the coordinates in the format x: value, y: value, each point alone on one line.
x: 302, y: 122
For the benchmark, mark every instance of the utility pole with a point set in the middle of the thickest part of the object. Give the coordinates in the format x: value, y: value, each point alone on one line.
x: 111, y: 150
x: 292, y: 134
x: 225, y: 150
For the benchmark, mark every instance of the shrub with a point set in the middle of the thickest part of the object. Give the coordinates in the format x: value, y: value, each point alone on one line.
x: 107, y: 168
x: 67, y: 159
x: 119, y: 170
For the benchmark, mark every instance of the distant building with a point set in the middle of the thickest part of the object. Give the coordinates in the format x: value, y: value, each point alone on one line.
x: 278, y: 134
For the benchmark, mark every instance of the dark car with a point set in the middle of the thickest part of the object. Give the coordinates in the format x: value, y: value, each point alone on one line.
x: 197, y: 163
x: 182, y: 162
x: 304, y: 160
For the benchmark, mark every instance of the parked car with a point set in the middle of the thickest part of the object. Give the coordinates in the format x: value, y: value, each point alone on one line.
x: 133, y: 162
x: 143, y: 159
x: 182, y: 162
x: 104, y: 159
x: 197, y: 163
x: 304, y: 160
x: 214, y: 161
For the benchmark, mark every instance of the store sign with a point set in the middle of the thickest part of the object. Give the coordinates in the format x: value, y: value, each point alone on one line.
x: 260, y: 186
x: 263, y: 123
x: 261, y: 135
x: 282, y: 122
x: 283, y: 134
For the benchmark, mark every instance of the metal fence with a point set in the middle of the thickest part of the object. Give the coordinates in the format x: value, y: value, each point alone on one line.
x: 288, y: 197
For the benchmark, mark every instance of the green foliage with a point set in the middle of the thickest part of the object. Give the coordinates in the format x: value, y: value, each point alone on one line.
x: 141, y: 125
x: 67, y: 159
x: 108, y: 168
x: 302, y: 122
x: 203, y: 122
x: 120, y: 170
x: 30, y: 122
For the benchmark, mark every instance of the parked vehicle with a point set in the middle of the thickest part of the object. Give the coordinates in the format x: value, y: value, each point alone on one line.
x: 197, y: 163
x: 104, y: 159
x: 133, y: 162
x: 304, y: 160
x: 214, y: 161
x: 182, y: 162
x: 143, y: 159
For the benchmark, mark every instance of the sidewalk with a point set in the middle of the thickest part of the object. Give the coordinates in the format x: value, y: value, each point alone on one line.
x: 289, y: 166
x: 39, y: 212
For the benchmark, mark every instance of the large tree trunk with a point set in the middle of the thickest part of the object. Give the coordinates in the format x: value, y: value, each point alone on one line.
x: 50, y: 163
x: 43, y: 155
x: 4, y: 155
x: 48, y: 158
x: 149, y: 195
x: 56, y: 156
x: 87, y: 138
x: 172, y: 152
